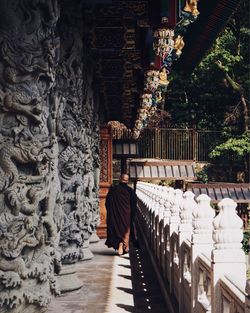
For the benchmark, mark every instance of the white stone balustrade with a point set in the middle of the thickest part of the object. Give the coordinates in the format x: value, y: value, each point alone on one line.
x: 199, y: 256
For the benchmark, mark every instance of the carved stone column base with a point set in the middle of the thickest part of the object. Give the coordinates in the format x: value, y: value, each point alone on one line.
x: 87, y: 254
x: 94, y: 238
x: 68, y: 279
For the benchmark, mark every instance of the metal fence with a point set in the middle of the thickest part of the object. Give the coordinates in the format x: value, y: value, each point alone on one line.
x: 178, y: 144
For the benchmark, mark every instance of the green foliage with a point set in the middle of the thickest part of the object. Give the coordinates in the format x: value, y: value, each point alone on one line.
x: 239, y: 146
x: 169, y: 183
x: 202, y: 175
x: 206, y: 91
x: 246, y: 242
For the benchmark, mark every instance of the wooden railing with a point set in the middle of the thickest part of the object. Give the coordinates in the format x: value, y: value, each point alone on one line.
x: 177, y: 144
x: 198, y: 256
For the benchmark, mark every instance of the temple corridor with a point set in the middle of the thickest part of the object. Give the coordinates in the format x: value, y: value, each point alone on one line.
x: 114, y: 284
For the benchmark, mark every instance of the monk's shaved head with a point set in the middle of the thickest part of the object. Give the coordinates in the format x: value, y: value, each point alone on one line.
x: 124, y: 178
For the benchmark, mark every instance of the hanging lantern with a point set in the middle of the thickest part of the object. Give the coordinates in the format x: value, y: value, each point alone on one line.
x: 143, y: 113
x: 151, y: 80
x: 146, y: 100
x: 163, y: 40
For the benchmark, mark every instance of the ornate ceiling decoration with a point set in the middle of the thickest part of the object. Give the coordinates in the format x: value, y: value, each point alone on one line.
x: 115, y: 29
x: 125, y: 34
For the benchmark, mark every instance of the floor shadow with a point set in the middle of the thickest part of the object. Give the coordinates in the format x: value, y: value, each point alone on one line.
x: 126, y: 257
x: 125, y: 276
x: 146, y: 290
x: 127, y: 290
x: 126, y: 266
x: 108, y: 253
x: 127, y: 308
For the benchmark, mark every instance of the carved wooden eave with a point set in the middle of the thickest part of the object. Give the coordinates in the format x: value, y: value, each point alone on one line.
x: 118, y: 32
x: 115, y: 29
x: 213, y: 17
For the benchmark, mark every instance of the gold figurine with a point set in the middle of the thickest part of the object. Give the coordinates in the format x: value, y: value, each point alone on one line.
x: 163, y: 77
x: 179, y: 44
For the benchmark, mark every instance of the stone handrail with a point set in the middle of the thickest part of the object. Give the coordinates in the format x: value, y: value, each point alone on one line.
x: 199, y: 255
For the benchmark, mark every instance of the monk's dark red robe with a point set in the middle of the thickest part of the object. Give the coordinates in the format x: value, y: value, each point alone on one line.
x: 121, y: 210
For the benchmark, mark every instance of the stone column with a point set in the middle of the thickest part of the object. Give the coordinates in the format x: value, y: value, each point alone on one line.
x: 29, y: 189
x: 78, y: 135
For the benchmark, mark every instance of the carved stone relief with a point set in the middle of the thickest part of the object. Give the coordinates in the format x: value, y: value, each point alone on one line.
x: 29, y: 188
x: 78, y: 137
x: 49, y: 149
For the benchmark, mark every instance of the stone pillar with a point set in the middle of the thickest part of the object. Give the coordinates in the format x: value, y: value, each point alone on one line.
x: 78, y: 135
x: 29, y: 188
x: 94, y: 238
x: 202, y: 242
x: 228, y: 258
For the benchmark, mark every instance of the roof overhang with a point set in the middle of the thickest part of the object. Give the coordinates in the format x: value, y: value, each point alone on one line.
x: 201, y: 35
x: 240, y: 193
x: 145, y: 169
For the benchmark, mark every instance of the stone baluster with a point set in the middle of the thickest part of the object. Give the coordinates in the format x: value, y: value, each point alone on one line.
x: 169, y: 198
x: 155, y: 219
x: 186, y: 215
x: 147, y: 208
x: 175, y: 208
x: 159, y: 227
x: 227, y: 256
x: 202, y: 241
x: 168, y: 194
x: 151, y: 214
x: 185, y: 232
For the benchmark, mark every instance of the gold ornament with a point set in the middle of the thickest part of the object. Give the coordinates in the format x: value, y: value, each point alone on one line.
x: 179, y: 44
x: 191, y: 7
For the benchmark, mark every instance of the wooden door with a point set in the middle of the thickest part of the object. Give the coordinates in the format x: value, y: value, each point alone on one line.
x: 105, y: 175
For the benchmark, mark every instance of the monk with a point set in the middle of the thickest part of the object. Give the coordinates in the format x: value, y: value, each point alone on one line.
x: 121, y: 212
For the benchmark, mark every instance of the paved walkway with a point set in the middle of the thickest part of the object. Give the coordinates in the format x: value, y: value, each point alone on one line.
x: 113, y: 284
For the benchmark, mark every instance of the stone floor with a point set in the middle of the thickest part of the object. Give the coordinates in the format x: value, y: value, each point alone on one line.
x: 113, y: 284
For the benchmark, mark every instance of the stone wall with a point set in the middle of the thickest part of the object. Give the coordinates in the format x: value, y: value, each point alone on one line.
x: 49, y: 158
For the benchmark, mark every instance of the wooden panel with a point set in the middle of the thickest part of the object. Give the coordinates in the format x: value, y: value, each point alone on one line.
x: 105, y: 176
x: 132, y: 171
x: 147, y: 171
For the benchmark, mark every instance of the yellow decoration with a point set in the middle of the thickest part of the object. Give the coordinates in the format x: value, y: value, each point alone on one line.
x: 191, y: 6
x: 179, y: 44
x: 163, y: 75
